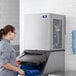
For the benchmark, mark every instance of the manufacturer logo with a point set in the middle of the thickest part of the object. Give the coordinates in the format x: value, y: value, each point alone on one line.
x: 44, y: 16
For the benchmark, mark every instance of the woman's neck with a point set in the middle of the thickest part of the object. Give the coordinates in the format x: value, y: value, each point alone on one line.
x: 7, y: 38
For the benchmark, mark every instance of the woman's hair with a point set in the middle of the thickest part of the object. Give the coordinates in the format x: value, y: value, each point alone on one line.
x: 5, y: 30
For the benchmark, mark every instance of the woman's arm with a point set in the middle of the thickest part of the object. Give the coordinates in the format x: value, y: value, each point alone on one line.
x: 13, y: 68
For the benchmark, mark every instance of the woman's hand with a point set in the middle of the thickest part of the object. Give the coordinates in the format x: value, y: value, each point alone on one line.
x: 21, y: 72
x: 18, y: 62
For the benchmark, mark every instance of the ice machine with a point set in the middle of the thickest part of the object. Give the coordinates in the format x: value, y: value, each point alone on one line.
x: 44, y: 32
x: 44, y: 43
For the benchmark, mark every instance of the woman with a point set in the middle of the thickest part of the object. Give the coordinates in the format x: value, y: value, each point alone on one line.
x: 7, y: 53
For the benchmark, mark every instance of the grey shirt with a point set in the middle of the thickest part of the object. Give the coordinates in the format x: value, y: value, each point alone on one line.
x: 7, y: 55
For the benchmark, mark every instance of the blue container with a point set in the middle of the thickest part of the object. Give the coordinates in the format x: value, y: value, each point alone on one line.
x: 74, y: 41
x: 30, y: 70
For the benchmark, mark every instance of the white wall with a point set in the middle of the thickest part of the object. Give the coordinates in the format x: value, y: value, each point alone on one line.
x: 64, y: 7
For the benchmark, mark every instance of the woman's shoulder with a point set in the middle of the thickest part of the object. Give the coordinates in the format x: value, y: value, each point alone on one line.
x: 2, y: 42
x: 4, y: 45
